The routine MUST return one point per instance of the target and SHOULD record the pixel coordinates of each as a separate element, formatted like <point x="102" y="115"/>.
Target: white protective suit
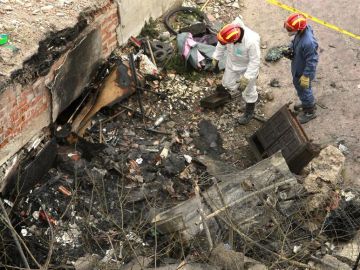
<point x="241" y="59"/>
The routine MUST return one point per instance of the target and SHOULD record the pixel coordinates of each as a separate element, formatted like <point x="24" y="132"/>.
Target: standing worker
<point x="304" y="59"/>
<point x="241" y="46"/>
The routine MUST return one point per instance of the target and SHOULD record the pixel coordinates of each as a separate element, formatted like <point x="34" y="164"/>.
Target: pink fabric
<point x="190" y="43"/>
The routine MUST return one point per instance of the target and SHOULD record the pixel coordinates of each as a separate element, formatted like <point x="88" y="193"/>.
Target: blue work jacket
<point x="306" y="56"/>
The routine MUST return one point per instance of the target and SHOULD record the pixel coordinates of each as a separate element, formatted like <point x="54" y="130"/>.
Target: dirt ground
<point x="338" y="77"/>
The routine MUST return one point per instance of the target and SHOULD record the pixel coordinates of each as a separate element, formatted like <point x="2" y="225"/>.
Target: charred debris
<point x="136" y="175"/>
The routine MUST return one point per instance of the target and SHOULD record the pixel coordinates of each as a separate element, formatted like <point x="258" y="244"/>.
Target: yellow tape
<point x="328" y="25"/>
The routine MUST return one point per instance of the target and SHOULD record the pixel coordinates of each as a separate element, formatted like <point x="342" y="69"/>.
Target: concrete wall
<point x="134" y="13"/>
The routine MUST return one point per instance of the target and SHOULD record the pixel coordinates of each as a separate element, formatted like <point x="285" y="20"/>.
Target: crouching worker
<point x="304" y="59"/>
<point x="241" y="47"/>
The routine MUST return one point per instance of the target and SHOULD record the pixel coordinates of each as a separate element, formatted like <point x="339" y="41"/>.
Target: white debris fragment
<point x="108" y="256"/>
<point x="35" y="215"/>
<point x="139" y="161"/>
<point x="164" y="153"/>
<point x="24" y="232"/>
<point x="131" y="236"/>
<point x="146" y="66"/>
<point x="66" y="239"/>
<point x="330" y="246"/>
<point x="188" y="158"/>
<point x="348" y="195"/>
<point x="296" y="249"/>
<point x="11" y="204"/>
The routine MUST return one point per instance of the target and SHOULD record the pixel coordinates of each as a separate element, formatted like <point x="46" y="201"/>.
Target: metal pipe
<point x="134" y="75"/>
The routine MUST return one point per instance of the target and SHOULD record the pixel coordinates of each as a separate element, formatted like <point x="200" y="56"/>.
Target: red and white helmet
<point x="230" y="33"/>
<point x="295" y="22"/>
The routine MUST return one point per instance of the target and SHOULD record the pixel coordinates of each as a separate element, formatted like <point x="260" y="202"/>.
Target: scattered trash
<point x="188" y="158"/>
<point x="347" y="195"/>
<point x="64" y="191"/>
<point x="344" y="149"/>
<point x="139" y="161"/>
<point x="24" y="232"/>
<point x="275" y="53"/>
<point x="198" y="55"/>
<point x="164" y="36"/>
<point x="160" y="120"/>
<point x="297" y="249"/>
<point x="164" y="153"/>
<point x="275" y="83"/>
<point x="147" y="67"/>
<point x="4" y="38"/>
<point x="108" y="256"/>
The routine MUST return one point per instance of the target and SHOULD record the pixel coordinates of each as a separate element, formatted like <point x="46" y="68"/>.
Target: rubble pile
<point x="85" y="203"/>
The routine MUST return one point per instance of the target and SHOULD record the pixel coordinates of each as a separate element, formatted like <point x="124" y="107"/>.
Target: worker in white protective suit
<point x="242" y="48"/>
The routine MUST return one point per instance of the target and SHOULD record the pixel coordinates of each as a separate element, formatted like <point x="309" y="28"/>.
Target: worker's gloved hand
<point x="214" y="65"/>
<point x="243" y="83"/>
<point x="288" y="53"/>
<point x="304" y="82"/>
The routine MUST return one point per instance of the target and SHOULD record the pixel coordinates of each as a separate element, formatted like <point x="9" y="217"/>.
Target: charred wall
<point x="52" y="78"/>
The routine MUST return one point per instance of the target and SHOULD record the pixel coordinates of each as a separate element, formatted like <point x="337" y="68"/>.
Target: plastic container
<point x="4" y="38"/>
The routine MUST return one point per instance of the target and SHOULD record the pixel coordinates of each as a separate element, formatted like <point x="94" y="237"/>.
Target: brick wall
<point x="20" y="106"/>
<point x="107" y="19"/>
<point x="26" y="109"/>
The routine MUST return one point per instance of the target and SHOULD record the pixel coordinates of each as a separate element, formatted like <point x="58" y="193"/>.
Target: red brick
<point x="112" y="29"/>
<point x="8" y="131"/>
<point x="112" y="39"/>
<point x="22" y="103"/>
<point x="35" y="100"/>
<point x="105" y="36"/>
<point x="4" y="142"/>
<point x="24" y="93"/>
<point x="115" y="15"/>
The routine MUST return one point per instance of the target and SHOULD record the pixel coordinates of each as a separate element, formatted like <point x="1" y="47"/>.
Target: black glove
<point x="288" y="53"/>
<point x="214" y="66"/>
